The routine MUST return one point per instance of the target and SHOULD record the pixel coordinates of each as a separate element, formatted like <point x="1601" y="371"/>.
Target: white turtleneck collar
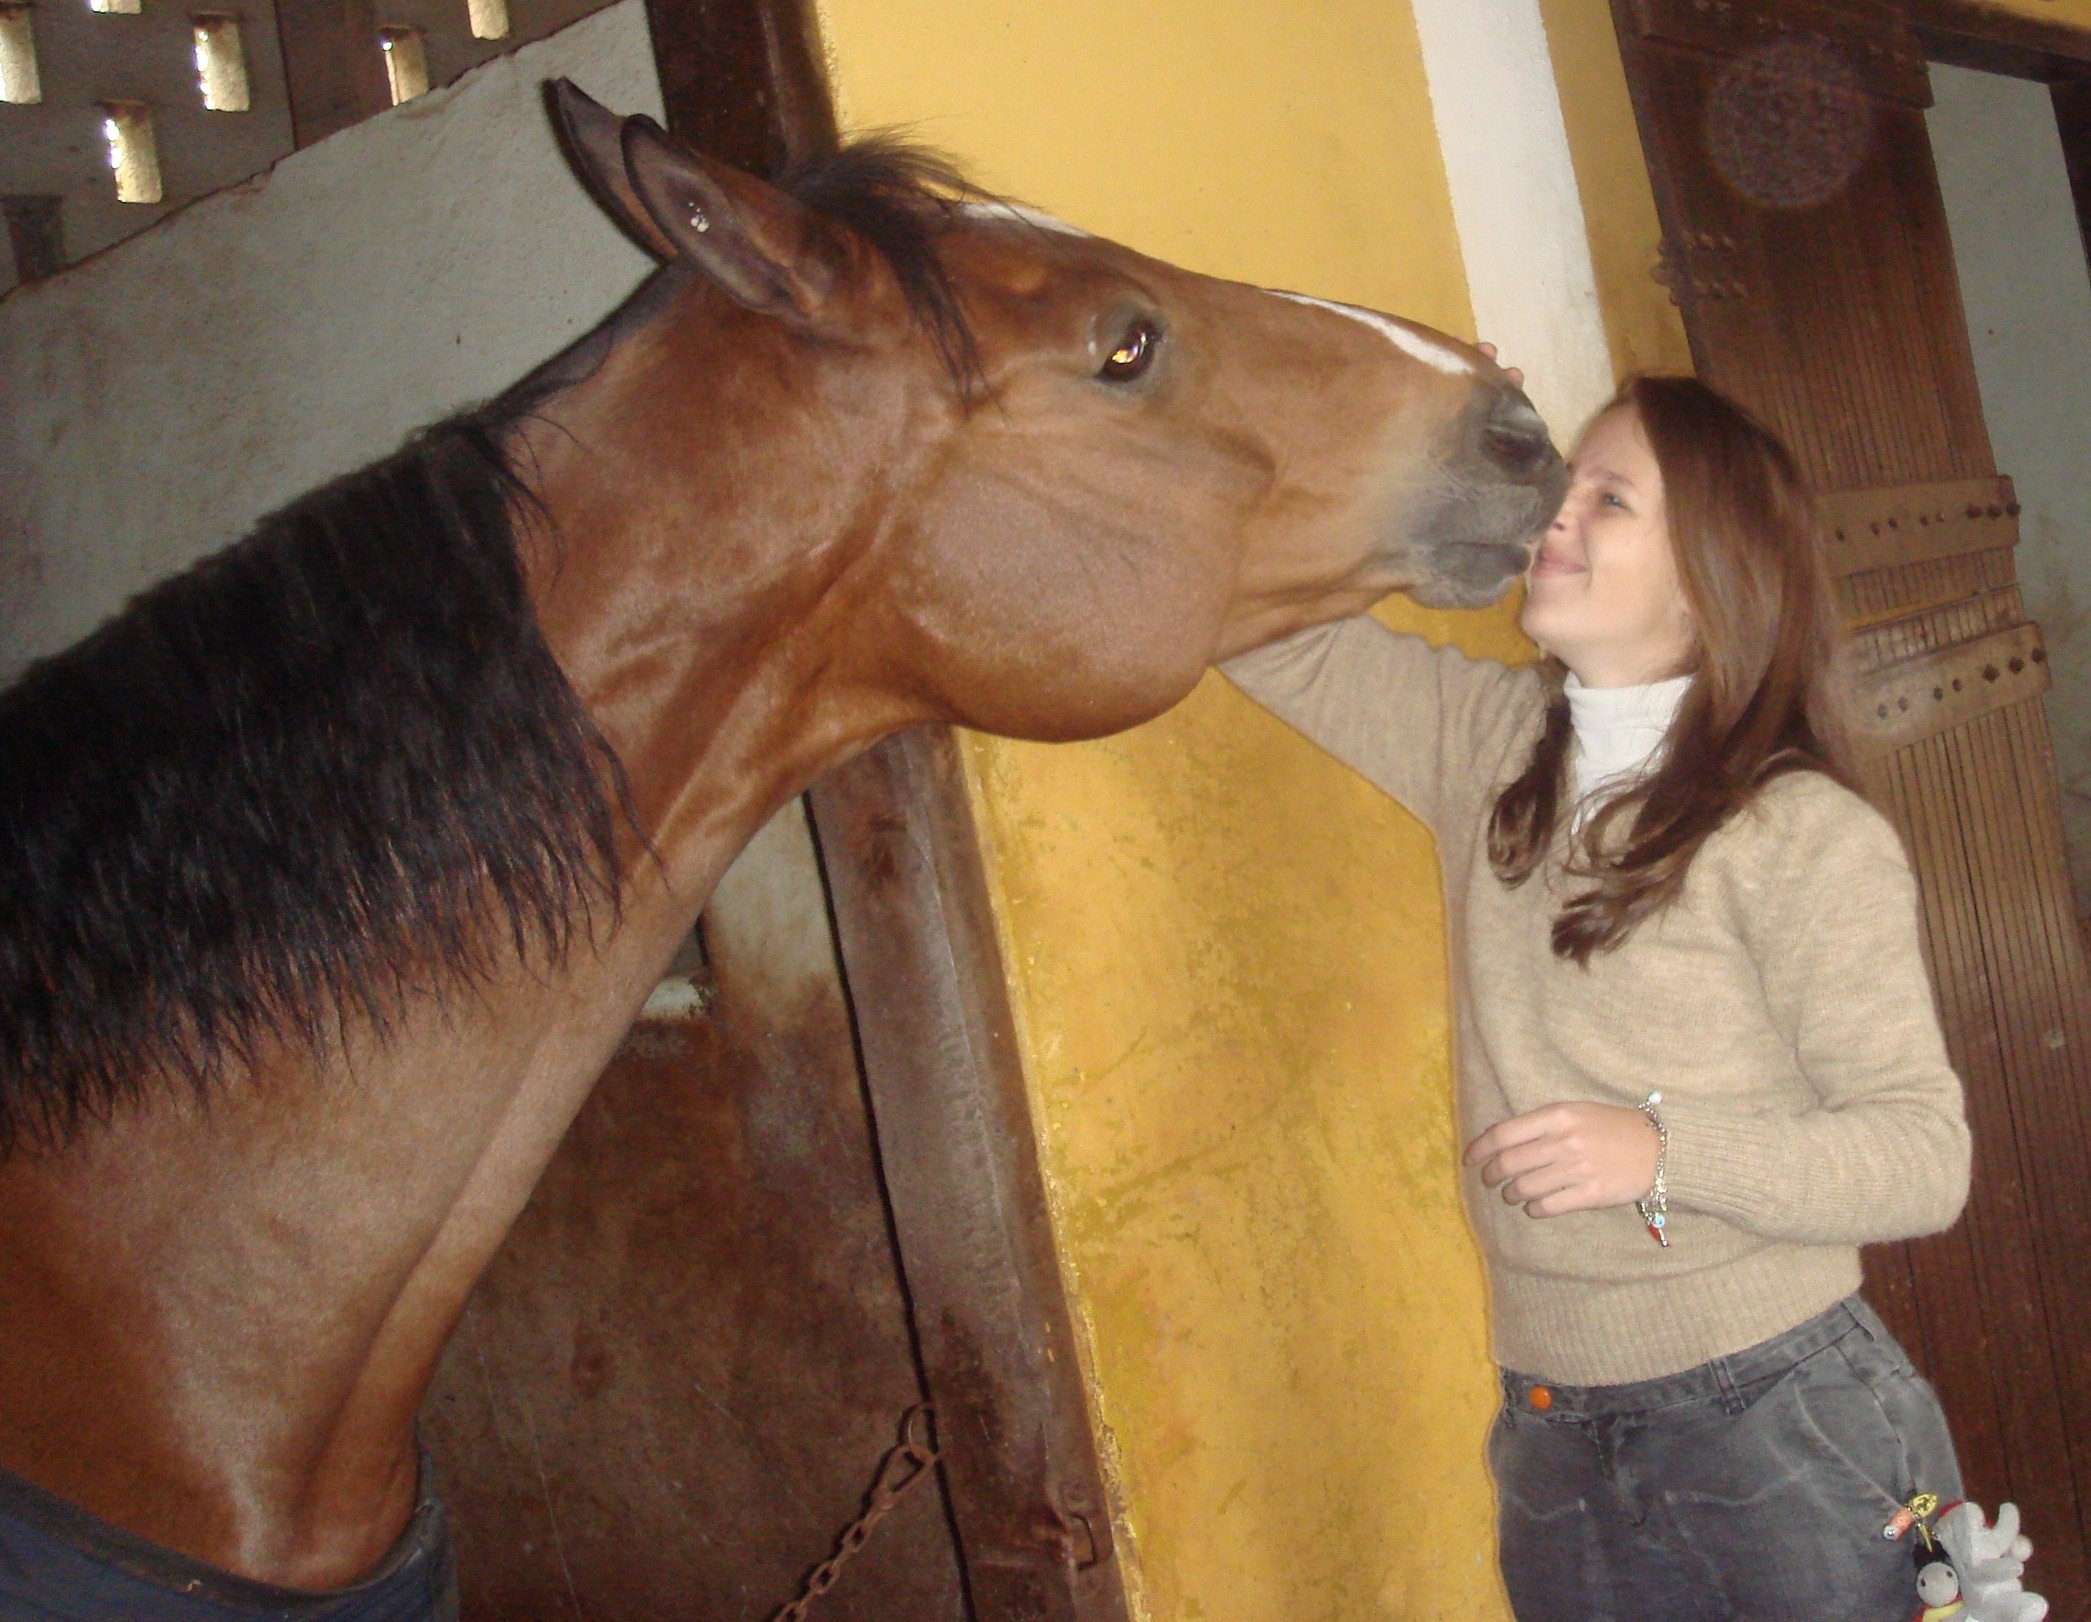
<point x="1618" y="731"/>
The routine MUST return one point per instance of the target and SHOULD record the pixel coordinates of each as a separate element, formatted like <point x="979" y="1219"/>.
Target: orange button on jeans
<point x="1540" y="1398"/>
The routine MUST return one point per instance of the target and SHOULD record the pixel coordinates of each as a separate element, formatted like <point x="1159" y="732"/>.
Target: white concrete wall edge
<point x="1515" y="201"/>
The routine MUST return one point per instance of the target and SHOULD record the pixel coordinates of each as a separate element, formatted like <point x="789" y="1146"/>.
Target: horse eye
<point x="1134" y="354"/>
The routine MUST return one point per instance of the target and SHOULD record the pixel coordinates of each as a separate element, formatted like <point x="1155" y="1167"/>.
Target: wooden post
<point x="742" y="79"/>
<point x="333" y="68"/>
<point x="2073" y="118"/>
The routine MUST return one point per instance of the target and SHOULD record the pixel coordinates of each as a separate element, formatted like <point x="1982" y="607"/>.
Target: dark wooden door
<point x="672" y="1390"/>
<point x="1805" y="241"/>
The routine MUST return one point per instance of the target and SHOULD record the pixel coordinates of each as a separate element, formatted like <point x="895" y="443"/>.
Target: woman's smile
<point x="1602" y="593"/>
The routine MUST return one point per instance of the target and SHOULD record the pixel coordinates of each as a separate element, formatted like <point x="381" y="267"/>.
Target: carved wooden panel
<point x="1920" y="697"/>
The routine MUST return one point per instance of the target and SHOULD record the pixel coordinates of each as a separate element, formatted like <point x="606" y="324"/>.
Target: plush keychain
<point x="1967" y="1570"/>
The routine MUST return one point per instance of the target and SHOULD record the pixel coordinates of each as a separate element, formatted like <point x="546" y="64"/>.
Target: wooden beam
<point x="742" y="79"/>
<point x="332" y="65"/>
<point x="1921" y="697"/>
<point x="1976" y="34"/>
<point x="937" y="1037"/>
<point x="1900" y="525"/>
<point x="2072" y="99"/>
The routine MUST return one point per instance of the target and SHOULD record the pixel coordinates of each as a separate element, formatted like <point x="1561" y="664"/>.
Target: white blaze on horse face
<point x="1024" y="214"/>
<point x="1441" y="357"/>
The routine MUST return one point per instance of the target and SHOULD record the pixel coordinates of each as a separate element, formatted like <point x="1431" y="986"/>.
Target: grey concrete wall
<point x="2027" y="293"/>
<point x="163" y="396"/>
<point x="55" y="148"/>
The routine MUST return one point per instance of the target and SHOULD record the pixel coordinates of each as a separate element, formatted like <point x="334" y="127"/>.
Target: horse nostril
<point x="1515" y="438"/>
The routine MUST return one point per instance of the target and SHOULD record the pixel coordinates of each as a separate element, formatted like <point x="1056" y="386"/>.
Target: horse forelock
<point x="902" y="200"/>
<point x="319" y="774"/>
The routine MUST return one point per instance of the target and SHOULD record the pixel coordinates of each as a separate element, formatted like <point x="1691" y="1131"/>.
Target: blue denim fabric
<point x="60" y="1564"/>
<point x="1750" y="1489"/>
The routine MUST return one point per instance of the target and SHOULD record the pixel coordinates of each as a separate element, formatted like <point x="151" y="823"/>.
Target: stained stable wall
<point x="161" y="398"/>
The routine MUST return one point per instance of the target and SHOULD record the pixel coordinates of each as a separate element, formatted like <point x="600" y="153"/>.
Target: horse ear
<point x="745" y="235"/>
<point x="594" y="140"/>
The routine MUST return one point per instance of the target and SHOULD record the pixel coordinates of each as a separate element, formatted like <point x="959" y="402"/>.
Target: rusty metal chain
<point x="907" y="1463"/>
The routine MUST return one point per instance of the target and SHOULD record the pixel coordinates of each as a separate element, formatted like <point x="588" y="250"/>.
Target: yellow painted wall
<point x="1227" y="952"/>
<point x="2072" y="13"/>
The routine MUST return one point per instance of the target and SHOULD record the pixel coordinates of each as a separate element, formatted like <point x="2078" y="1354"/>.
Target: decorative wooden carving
<point x="1914" y="523"/>
<point x="1919" y="698"/>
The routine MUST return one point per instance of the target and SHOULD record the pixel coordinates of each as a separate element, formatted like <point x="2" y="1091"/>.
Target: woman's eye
<point x="1134" y="354"/>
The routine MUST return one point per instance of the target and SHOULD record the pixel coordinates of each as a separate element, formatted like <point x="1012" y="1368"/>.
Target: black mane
<point x="323" y="770"/>
<point x="334" y="766"/>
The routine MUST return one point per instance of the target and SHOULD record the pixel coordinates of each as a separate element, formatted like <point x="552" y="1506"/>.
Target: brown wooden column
<point x="938" y="1044"/>
<point x="2073" y="119"/>
<point x="742" y="79"/>
<point x="332" y="66"/>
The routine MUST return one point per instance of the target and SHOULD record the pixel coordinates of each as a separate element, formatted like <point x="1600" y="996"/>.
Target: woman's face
<point x="1602" y="594"/>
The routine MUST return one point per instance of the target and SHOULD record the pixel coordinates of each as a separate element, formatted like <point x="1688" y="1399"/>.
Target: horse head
<point x="1076" y="476"/>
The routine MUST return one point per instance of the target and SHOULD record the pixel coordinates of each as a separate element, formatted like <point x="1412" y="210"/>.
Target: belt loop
<point x="1724" y="1382"/>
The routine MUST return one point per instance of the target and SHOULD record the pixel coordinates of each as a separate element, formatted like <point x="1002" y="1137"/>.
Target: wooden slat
<point x="1869" y="40"/>
<point x="333" y="69"/>
<point x="1907" y="524"/>
<point x="1922" y="696"/>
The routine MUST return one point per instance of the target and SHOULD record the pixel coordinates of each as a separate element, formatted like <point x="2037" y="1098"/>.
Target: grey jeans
<point x="58" y="1563"/>
<point x="1750" y="1489"/>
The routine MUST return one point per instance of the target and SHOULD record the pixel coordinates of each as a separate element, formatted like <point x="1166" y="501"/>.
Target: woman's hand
<point x="1569" y="1157"/>
<point x="1517" y="377"/>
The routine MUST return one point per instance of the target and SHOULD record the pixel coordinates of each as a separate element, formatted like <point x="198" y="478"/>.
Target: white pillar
<point x="1515" y="202"/>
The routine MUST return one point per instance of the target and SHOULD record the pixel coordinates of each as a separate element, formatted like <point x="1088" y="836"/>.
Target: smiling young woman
<point x="1696" y="1040"/>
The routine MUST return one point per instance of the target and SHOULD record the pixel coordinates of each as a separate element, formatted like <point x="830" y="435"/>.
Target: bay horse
<point x="337" y="866"/>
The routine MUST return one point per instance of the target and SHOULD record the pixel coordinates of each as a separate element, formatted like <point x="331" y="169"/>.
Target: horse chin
<point x="1470" y="574"/>
<point x="1064" y="716"/>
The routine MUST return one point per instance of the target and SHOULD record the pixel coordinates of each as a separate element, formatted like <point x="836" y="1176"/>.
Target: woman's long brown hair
<point x="1744" y="534"/>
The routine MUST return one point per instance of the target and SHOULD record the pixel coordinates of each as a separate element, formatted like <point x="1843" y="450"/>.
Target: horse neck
<point x="709" y="585"/>
<point x="264" y="1322"/>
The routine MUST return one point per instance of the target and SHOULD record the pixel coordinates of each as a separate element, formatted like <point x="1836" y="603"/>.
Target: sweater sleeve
<point x="1828" y="908"/>
<point x="1420" y="722"/>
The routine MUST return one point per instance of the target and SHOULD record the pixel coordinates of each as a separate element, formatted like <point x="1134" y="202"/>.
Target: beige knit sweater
<point x="1780" y="1006"/>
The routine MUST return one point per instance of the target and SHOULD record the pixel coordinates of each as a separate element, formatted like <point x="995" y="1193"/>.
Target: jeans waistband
<point x="1722" y="1380"/>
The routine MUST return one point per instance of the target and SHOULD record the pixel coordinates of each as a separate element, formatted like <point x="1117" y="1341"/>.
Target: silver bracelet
<point x="1654" y="1206"/>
